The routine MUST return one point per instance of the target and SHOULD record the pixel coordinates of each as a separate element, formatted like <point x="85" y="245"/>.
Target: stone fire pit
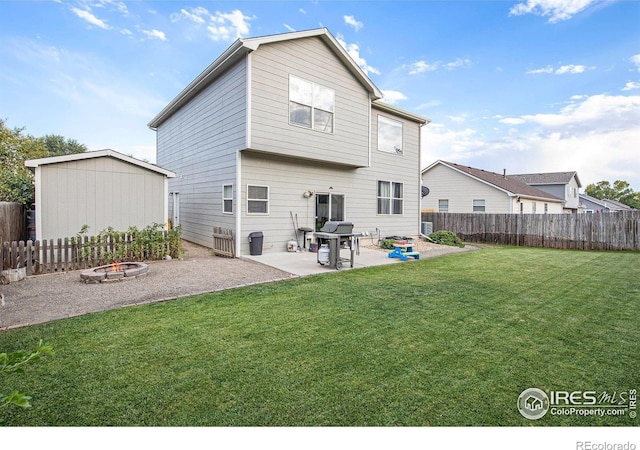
<point x="114" y="272"/>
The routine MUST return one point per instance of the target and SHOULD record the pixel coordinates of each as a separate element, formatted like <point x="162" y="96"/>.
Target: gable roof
<point x="243" y="46"/>
<point x="547" y="178"/>
<point x="606" y="203"/>
<point x="33" y="163"/>
<point x="506" y="184"/>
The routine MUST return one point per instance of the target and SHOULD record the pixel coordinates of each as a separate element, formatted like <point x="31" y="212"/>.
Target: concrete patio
<point x="305" y="262"/>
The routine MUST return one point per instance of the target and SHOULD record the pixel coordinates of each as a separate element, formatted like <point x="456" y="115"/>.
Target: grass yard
<point x="449" y="341"/>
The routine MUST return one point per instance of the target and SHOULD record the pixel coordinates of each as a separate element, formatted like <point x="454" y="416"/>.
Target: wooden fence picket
<point x="608" y="231"/>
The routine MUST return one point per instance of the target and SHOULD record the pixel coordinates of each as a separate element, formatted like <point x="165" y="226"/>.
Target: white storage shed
<point x="100" y="189"/>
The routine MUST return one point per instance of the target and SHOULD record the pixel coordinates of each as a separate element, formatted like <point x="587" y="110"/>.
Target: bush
<point x="150" y="243"/>
<point x="387" y="244"/>
<point x="443" y="237"/>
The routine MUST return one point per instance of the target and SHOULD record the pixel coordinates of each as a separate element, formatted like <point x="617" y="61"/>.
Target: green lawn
<point x="447" y="341"/>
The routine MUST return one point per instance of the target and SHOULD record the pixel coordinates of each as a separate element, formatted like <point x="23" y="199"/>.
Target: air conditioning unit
<point x="426" y="228"/>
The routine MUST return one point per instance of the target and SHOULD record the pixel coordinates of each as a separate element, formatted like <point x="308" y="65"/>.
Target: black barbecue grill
<point x="337" y="234"/>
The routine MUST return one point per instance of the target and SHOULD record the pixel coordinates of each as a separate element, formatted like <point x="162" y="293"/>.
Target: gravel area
<point x="43" y="298"/>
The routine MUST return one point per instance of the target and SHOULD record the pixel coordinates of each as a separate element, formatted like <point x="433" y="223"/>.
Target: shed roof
<point x="243" y="46"/>
<point x="108" y="153"/>
<point x="547" y="178"/>
<point x="509" y="185"/>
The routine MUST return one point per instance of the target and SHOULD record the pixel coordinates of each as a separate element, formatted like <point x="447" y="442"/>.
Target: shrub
<point x="446" y="238"/>
<point x="387" y="244"/>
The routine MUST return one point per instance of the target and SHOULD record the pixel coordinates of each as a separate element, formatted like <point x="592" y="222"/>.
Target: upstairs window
<point x="389" y="135"/>
<point x="443" y="205"/>
<point x="311" y="105"/>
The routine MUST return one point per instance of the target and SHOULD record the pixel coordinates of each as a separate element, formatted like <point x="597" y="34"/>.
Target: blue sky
<point x="522" y="85"/>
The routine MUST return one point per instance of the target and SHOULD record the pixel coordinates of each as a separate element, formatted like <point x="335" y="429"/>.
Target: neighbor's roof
<point x="547" y="178"/>
<point x="509" y="185"/>
<point x="243" y="46"/>
<point x="606" y="203"/>
<point x="33" y="163"/>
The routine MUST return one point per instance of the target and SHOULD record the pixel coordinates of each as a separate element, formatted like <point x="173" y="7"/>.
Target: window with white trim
<point x="311" y="105"/>
<point x="533" y="207"/>
<point x="443" y="205"/>
<point x="389" y="135"/>
<point x="227" y="199"/>
<point x="390" y="197"/>
<point x="257" y="199"/>
<point x="478" y="205"/>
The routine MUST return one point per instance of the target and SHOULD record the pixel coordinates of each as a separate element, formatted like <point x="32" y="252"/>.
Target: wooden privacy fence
<point x="68" y="254"/>
<point x="224" y="243"/>
<point x="608" y="231"/>
<point x="12" y="222"/>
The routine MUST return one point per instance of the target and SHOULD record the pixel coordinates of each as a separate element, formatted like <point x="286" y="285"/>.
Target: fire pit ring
<point x="114" y="272"/>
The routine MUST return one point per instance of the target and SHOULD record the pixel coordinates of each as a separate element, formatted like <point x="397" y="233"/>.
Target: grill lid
<point x="337" y="227"/>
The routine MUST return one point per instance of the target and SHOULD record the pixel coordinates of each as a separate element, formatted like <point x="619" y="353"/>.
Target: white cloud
<point x="289" y="28"/>
<point x="393" y="97"/>
<point x="595" y="135"/>
<point x="556" y="10"/>
<point x="155" y="34"/>
<point x="354" y="51"/>
<point x="419" y="67"/>
<point x="631" y="85"/>
<point x="227" y="26"/>
<point x="635" y="59"/>
<point x="569" y="68"/>
<point x="196" y="15"/>
<point x="458" y="119"/>
<point x="356" y="24"/>
<point x="90" y="18"/>
<point x="221" y="26"/>
<point x="302" y="11"/>
<point x="458" y="63"/>
<point x="512" y="121"/>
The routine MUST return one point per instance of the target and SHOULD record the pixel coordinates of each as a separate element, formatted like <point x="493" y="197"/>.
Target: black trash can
<point x="255" y="243"/>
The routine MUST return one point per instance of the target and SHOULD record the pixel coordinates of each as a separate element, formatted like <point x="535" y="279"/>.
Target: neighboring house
<point x="456" y="188"/>
<point x="564" y="185"/>
<point x="286" y="131"/>
<point x="100" y="189"/>
<point x="596" y="205"/>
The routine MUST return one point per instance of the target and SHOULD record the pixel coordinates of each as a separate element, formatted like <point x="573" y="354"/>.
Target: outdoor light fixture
<point x="307" y="194"/>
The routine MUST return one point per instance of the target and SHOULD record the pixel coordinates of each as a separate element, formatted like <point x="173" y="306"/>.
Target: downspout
<point x="239" y="204"/>
<point x="38" y="199"/>
<point x="370" y="129"/>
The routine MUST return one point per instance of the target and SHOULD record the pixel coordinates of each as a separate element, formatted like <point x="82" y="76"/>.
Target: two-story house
<point x="286" y="126"/>
<point x="564" y="185"/>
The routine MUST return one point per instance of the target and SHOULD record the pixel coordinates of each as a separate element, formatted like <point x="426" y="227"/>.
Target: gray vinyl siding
<point x="98" y="192"/>
<point x="199" y="143"/>
<point x="461" y="190"/>
<point x="271" y="66"/>
<point x="289" y="178"/>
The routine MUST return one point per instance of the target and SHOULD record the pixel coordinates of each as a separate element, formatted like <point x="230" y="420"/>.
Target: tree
<point x="16" y="180"/>
<point x="620" y="191"/>
<point x="57" y="145"/>
<point x="12" y="363"/>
